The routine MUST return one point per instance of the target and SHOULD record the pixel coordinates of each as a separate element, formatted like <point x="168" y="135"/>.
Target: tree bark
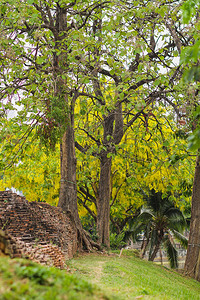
<point x="103" y="205"/>
<point x="113" y="127"/>
<point x="68" y="188"/>
<point x="192" y="262"/>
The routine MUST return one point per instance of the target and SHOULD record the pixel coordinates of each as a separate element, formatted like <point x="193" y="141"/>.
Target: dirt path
<point x="98" y="272"/>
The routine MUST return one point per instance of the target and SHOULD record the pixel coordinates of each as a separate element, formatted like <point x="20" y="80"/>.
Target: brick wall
<point x="35" y="228"/>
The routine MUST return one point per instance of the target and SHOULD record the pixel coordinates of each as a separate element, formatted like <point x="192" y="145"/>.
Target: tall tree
<point x="39" y="48"/>
<point x="149" y="156"/>
<point x="192" y="263"/>
<point x="190" y="58"/>
<point x="121" y="55"/>
<point x="130" y="71"/>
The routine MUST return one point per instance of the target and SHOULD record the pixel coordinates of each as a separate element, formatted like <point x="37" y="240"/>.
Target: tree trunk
<point x="192" y="263"/>
<point x="157" y="247"/>
<point x="68" y="187"/>
<point x="113" y="126"/>
<point x="161" y="257"/>
<point x="103" y="205"/>
<point x="144" y="247"/>
<point x="153" y="256"/>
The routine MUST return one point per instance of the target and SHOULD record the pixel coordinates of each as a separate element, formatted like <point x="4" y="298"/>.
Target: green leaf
<point x="110" y="61"/>
<point x="112" y="72"/>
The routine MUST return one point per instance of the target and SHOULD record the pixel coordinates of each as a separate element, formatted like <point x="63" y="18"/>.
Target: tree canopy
<point x="103" y="77"/>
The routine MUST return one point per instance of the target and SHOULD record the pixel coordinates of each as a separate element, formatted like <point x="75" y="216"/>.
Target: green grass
<point x="129" y="277"/>
<point x="25" y="280"/>
<point x="94" y="276"/>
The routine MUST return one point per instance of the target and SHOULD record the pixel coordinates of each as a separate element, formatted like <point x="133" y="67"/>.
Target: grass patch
<point x="23" y="279"/>
<point x="95" y="276"/>
<point x="129" y="277"/>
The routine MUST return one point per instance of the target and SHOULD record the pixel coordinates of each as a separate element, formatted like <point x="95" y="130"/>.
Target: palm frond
<point x="134" y="231"/>
<point x="145" y="215"/>
<point x="159" y="216"/>
<point x="173" y="211"/>
<point x="154" y="200"/>
<point x="143" y="218"/>
<point x="166" y="205"/>
<point x="176" y="219"/>
<point x="172" y="253"/>
<point x="188" y="220"/>
<point x="181" y="238"/>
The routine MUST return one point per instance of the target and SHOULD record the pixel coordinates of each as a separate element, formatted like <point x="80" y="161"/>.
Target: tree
<point x="149" y="156"/>
<point x="41" y="42"/>
<point x="161" y="223"/>
<point x="190" y="59"/>
<point x="106" y="52"/>
<point x="192" y="262"/>
<point x="130" y="79"/>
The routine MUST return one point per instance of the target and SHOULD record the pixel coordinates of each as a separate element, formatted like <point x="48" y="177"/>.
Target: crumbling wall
<point x="46" y="254"/>
<point x="35" y="230"/>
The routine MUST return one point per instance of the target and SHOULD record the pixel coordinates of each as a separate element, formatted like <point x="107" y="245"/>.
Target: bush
<point x="117" y="241"/>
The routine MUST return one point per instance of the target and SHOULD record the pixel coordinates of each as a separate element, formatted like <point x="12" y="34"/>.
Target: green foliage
<point x="28" y="280"/>
<point x="194" y="140"/>
<point x="189" y="9"/>
<point x="117" y="241"/>
<point x="172" y="254"/>
<point x="161" y="223"/>
<point x="89" y="225"/>
<point x="194" y="137"/>
<point x="35" y="273"/>
<point x="34" y="171"/>
<point x="99" y="66"/>
<point x="190" y="58"/>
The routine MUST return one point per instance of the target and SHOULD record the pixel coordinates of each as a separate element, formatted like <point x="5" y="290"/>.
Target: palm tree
<point x="160" y="223"/>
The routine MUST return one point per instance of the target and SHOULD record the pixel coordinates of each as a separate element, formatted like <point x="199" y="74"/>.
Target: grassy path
<point x="24" y="280"/>
<point x="106" y="277"/>
<point x="131" y="278"/>
<point x="98" y="272"/>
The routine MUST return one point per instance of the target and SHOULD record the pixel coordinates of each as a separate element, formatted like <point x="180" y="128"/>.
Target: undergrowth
<point x="23" y="279"/>
<point x="95" y="276"/>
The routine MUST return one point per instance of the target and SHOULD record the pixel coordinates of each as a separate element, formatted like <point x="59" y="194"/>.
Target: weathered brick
<point x="28" y="227"/>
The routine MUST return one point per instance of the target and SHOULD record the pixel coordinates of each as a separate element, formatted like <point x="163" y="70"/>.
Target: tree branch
<point x="88" y="209"/>
<point x="174" y="35"/>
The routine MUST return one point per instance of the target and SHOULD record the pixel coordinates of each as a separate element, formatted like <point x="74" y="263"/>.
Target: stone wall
<point x="35" y="230"/>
